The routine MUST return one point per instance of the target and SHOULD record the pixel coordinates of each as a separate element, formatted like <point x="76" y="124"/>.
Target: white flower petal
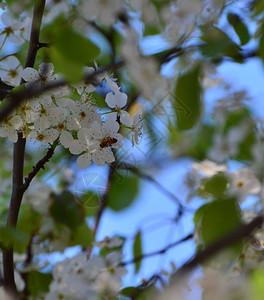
<point x="66" y="139"/>
<point x="76" y="147"/>
<point x="110" y="100"/>
<point x="111" y="127"/>
<point x="51" y="135"/>
<point x="16" y="122"/>
<point x="98" y="158"/>
<point x="15" y="39"/>
<point x="46" y="70"/>
<point x="121" y="99"/>
<point x="7" y="19"/>
<point x="125" y="118"/>
<point x="84" y="161"/>
<point x="30" y="74"/>
<point x="112" y="84"/>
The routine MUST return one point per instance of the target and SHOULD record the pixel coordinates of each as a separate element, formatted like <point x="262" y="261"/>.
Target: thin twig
<point x="154" y="253"/>
<point x="40" y="165"/>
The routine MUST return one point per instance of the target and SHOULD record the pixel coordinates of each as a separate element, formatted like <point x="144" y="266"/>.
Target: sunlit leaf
<point x="256" y="284"/>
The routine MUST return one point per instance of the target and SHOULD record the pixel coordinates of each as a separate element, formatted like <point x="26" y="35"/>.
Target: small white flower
<point x="11" y="29"/>
<point x="26" y="28"/>
<point x="106" y="12"/>
<point x="243" y="183"/>
<point x="10" y="126"/>
<point x="83" y="115"/>
<point x="82" y="144"/>
<point x="208" y="168"/>
<point x="85" y="86"/>
<point x="137" y="127"/>
<point x="40" y="77"/>
<point x="115" y="241"/>
<point x="95" y="144"/>
<point x="48" y="135"/>
<point x="112" y="84"/>
<point x="47" y="114"/>
<point x="105" y="137"/>
<point x="10" y="70"/>
<point x="117" y="102"/>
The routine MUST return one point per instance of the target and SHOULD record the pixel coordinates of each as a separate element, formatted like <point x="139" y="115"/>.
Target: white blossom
<point x="42" y="76"/>
<point x="105" y="12"/>
<point x="117" y="102"/>
<point x="11" y="29"/>
<point x="10" y="70"/>
<point x="115" y="241"/>
<point x="10" y="126"/>
<point x="137" y="127"/>
<point x="208" y="168"/>
<point x="77" y="277"/>
<point x="243" y="183"/>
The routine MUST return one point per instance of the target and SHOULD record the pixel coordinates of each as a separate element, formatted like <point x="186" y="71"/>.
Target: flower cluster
<point x="76" y="124"/>
<point x="77" y="277"/>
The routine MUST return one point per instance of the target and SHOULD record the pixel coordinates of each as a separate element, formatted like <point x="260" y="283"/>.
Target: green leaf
<point x="256" y="285"/>
<point x="151" y="30"/>
<point x="130" y="291"/>
<point x="239" y="27"/>
<point x="235" y="117"/>
<point x="82" y="236"/>
<point x="122" y="191"/>
<point x="71" y="70"/>
<point x="66" y="210"/>
<point x="245" y="147"/>
<point x="10" y="235"/>
<point x="38" y="282"/>
<point x="214" y="187"/>
<point x="216" y="219"/>
<point x="258" y="7"/>
<point x="18" y="7"/>
<point x="137" y="250"/>
<point x="216" y="44"/>
<point x="75" y="47"/>
<point x="90" y="201"/>
<point x="69" y="51"/>
<point x="188" y="104"/>
<point x="261" y="44"/>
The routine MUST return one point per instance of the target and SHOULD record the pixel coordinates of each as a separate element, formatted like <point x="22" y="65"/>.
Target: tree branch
<point x="40" y="165"/>
<point x="18" y="155"/>
<point x="236" y="235"/>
